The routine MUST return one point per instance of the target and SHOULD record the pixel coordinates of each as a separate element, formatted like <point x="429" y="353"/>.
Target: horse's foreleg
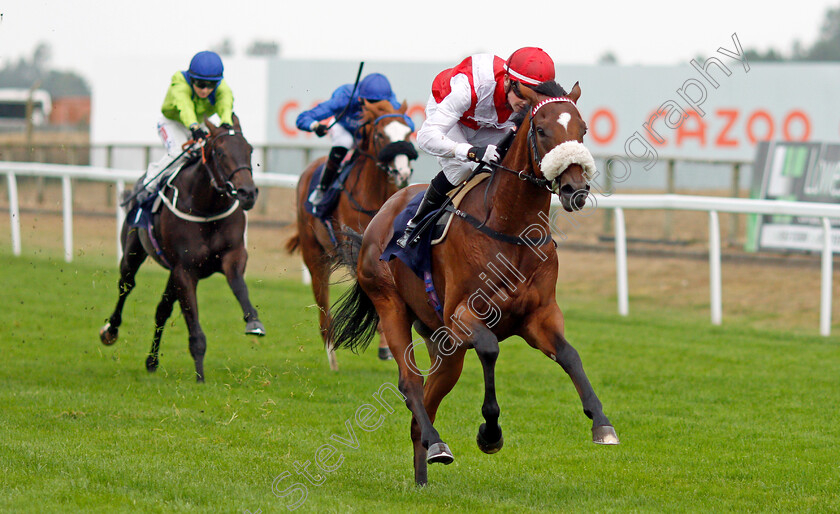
<point x="163" y="312"/>
<point x="486" y="345"/>
<point x="233" y="266"/>
<point x="133" y="257"/>
<point x="544" y="331"/>
<point x="184" y="286"/>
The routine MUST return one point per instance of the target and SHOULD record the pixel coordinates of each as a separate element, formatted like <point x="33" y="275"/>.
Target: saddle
<point x="443" y="223"/>
<point x="325" y="208"/>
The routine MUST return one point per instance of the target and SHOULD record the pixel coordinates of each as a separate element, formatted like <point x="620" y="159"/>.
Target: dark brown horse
<point x="199" y="231"/>
<point x="493" y="283"/>
<point x="380" y="168"/>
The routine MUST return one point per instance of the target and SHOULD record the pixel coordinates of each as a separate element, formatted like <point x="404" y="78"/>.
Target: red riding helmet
<point x="530" y="65"/>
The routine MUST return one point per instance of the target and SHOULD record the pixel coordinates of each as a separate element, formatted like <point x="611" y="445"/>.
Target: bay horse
<point x="199" y="230"/>
<point x="380" y="167"/>
<point x="492" y="283"/>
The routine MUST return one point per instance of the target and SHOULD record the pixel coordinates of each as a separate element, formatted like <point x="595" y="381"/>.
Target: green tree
<point x="827" y="46"/>
<point x="26" y="72"/>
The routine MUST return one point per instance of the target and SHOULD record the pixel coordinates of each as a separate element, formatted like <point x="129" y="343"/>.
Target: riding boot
<point x="432" y="200"/>
<point x="337" y="154"/>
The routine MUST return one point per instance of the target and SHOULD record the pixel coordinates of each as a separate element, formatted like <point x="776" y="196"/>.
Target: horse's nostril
<point x="567" y="190"/>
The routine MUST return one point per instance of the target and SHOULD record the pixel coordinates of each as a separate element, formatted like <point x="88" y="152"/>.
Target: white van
<point x="13" y="106"/>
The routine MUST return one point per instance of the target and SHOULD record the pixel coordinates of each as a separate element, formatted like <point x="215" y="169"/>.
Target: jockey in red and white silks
<point x="468" y="107"/>
<point x="468" y="114"/>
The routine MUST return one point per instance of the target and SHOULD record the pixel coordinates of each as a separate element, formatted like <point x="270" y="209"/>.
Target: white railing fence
<point x="618" y="203"/>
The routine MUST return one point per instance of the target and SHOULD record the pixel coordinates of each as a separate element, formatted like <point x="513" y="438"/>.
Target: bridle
<point x="529" y="175"/>
<point x="388" y="152"/>
<point x="227" y="186"/>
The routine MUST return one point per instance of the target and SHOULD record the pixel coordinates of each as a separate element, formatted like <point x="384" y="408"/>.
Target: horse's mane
<point x="549" y="88"/>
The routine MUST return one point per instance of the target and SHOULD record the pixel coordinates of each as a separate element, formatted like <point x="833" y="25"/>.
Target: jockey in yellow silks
<point x="193" y="95"/>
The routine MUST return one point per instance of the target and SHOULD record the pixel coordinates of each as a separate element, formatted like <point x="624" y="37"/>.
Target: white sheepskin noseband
<point x="564" y="155"/>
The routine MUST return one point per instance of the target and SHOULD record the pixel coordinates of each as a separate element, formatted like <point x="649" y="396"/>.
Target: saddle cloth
<point x="323" y="211"/>
<point x="419" y="257"/>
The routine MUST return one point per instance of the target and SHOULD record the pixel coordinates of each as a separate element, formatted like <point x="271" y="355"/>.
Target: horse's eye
<point x="540" y="131"/>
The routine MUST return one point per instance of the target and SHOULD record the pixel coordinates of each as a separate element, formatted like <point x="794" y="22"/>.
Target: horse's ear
<point x="210" y="125"/>
<point x="236" y="122"/>
<point x="403" y="107"/>
<point x="367" y="111"/>
<point x="574" y="94"/>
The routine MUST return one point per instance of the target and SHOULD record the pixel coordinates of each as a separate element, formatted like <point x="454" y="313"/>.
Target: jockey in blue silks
<point x="348" y="112"/>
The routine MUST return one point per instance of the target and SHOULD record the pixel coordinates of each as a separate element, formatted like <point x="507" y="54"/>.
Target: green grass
<point x="710" y="418"/>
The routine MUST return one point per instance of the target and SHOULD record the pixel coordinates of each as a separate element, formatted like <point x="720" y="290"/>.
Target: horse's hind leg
<point x="544" y="331"/>
<point x="163" y="312"/>
<point x="233" y="266"/>
<point x="133" y="257"/>
<point x="319" y="269"/>
<point x="447" y="362"/>
<point x="428" y="446"/>
<point x="185" y="288"/>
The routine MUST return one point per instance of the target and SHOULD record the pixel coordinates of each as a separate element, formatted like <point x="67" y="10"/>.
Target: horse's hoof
<point x="255" y="328"/>
<point x="485" y="445"/>
<point x="439" y="452"/>
<point x="151" y="364"/>
<point x="108" y="335"/>
<point x="604" y="435"/>
<point x="385" y="354"/>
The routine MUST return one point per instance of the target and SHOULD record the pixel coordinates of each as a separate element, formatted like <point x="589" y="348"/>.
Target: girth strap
<point x="499" y="236"/>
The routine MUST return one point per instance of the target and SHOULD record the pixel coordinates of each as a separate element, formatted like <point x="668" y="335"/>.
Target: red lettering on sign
<point x="730" y="115"/>
<point x="806" y="126"/>
<point x="285" y="128"/>
<point x="602" y="138"/>
<point x="768" y="121"/>
<point x="685" y="131"/>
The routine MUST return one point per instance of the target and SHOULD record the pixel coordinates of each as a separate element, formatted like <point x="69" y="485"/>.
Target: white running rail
<point x="618" y="203"/>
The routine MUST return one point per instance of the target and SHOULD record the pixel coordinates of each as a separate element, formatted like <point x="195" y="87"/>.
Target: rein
<point x="229" y="189"/>
<point x="525" y="175"/>
<point x="540" y="182"/>
<point x="397" y="147"/>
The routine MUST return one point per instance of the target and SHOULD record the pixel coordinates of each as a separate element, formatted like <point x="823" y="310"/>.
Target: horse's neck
<point x="367" y="183"/>
<point x="195" y="190"/>
<point x="517" y="203"/>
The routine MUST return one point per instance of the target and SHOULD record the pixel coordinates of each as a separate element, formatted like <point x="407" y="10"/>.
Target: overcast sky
<point x="652" y="32"/>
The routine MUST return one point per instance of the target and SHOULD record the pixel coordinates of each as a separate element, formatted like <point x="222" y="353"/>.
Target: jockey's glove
<point x="197" y="132"/>
<point x="486" y="154"/>
<point x="319" y="128"/>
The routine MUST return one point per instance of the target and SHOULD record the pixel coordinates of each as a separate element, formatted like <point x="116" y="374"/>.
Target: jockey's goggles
<point x="205" y="84"/>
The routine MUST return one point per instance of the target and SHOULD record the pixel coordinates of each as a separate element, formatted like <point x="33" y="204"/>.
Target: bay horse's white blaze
<point x="398" y="131"/>
<point x="564" y="155"/>
<point x="564" y="119"/>
<point x="403" y="169"/>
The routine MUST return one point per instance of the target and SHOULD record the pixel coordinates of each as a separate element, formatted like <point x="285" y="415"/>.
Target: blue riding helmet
<point x="206" y="65"/>
<point x="375" y="87"/>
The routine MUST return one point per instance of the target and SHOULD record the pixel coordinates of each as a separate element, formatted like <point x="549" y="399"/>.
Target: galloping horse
<point x="200" y="231"/>
<point x="493" y="283"/>
<point x="380" y="167"/>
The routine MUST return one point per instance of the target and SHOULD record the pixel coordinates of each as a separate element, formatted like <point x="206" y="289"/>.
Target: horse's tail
<point x="354" y="317"/>
<point x="346" y="252"/>
<point x="354" y="320"/>
<point x="293" y="243"/>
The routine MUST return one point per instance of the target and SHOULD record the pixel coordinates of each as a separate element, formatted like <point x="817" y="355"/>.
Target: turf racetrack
<point x="710" y="418"/>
